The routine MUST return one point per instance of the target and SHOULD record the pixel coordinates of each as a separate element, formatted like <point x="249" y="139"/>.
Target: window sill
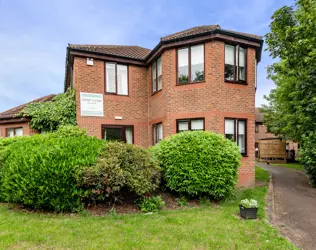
<point x="115" y="94"/>
<point x="244" y="155"/>
<point x="236" y="82"/>
<point x="156" y="92"/>
<point x="188" y="83"/>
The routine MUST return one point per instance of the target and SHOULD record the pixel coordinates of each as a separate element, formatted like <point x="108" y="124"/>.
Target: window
<point x="157" y="132"/>
<point x="257" y="128"/>
<point x="236" y="130"/>
<point x="116" y="79"/>
<point x="118" y="133"/>
<point x="235" y="63"/>
<point x="191" y="64"/>
<point x="157" y="76"/>
<point x="190" y="124"/>
<point x="11" y="132"/>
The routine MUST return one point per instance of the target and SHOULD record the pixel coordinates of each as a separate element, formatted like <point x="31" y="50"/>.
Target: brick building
<point x="203" y="78"/>
<point x="11" y="124"/>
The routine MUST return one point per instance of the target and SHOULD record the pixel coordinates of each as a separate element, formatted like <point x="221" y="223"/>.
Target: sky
<point x="34" y="35"/>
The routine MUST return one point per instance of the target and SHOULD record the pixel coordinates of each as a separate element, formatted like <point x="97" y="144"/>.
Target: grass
<point x="196" y="228"/>
<point x="295" y="165"/>
<point x="262" y="175"/>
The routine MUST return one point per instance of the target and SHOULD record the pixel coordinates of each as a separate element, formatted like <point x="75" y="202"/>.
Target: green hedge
<point x="199" y="163"/>
<point x="121" y="169"/>
<point x="42" y="170"/>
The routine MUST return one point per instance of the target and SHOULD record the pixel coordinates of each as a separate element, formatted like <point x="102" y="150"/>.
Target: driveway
<point x="292" y="205"/>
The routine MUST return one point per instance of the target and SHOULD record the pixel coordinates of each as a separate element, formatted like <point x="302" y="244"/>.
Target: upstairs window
<point x="157" y="133"/>
<point x="235" y="63"/>
<point x="116" y="79"/>
<point x="11" y="132"/>
<point x="190" y="63"/>
<point x="157" y="76"/>
<point x="190" y="124"/>
<point x="235" y="130"/>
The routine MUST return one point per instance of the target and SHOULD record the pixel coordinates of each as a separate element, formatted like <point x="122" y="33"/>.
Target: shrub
<point x="308" y="157"/>
<point x="182" y="201"/>
<point x="41" y="170"/>
<point x="121" y="168"/>
<point x="199" y="163"/>
<point x="151" y="204"/>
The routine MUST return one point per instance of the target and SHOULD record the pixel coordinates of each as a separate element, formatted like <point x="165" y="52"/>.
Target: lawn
<point x="295" y="165"/>
<point x="262" y="175"/>
<point x="217" y="227"/>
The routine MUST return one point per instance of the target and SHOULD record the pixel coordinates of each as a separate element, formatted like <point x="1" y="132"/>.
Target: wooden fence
<point x="272" y="150"/>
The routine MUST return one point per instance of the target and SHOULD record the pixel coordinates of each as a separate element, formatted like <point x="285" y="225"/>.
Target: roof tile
<point x="11" y="113"/>
<point x="199" y="30"/>
<point x="192" y="31"/>
<point x="134" y="52"/>
<point x="259" y="115"/>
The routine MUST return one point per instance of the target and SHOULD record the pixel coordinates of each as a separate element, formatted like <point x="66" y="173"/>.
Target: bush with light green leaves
<point x="199" y="163"/>
<point x="41" y="171"/>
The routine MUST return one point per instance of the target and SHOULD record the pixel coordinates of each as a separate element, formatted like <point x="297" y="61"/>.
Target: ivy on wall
<point x="48" y="116"/>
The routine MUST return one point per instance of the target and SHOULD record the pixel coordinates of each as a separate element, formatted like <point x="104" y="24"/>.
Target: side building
<point x="11" y="124"/>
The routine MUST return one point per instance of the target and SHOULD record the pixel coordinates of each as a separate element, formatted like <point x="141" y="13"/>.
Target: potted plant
<point x="248" y="209"/>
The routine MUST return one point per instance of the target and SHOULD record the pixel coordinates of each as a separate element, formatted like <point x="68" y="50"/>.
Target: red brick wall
<point x="25" y="125"/>
<point x="262" y="133"/>
<point x="132" y="108"/>
<point x="213" y="99"/>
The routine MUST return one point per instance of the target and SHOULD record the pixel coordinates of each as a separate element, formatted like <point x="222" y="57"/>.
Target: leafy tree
<point x="48" y="116"/>
<point x="292" y="104"/>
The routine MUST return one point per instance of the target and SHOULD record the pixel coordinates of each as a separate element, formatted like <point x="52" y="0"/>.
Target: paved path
<point x="292" y="206"/>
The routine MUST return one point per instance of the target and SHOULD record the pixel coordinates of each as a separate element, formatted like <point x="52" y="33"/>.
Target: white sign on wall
<point x="91" y="104"/>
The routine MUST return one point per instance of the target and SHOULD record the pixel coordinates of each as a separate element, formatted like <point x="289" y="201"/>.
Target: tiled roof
<point x="140" y="53"/>
<point x="244" y="34"/>
<point x="259" y="116"/>
<point x="199" y="30"/>
<point x="11" y="113"/>
<point x="190" y="32"/>
<point x="134" y="52"/>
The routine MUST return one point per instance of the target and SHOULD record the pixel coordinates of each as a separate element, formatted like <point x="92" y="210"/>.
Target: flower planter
<point x="248" y="213"/>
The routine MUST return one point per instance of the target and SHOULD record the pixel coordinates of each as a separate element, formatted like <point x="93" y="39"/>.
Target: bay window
<point x="157" y="133"/>
<point x="235" y="63"/>
<point x="190" y="124"/>
<point x="236" y="130"/>
<point x="116" y="79"/>
<point x="156" y="76"/>
<point x="190" y="61"/>
<point x="118" y="133"/>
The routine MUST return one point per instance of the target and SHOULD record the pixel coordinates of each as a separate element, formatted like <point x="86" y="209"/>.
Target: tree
<point x="291" y="111"/>
<point x="292" y="104"/>
<point x="48" y="116"/>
